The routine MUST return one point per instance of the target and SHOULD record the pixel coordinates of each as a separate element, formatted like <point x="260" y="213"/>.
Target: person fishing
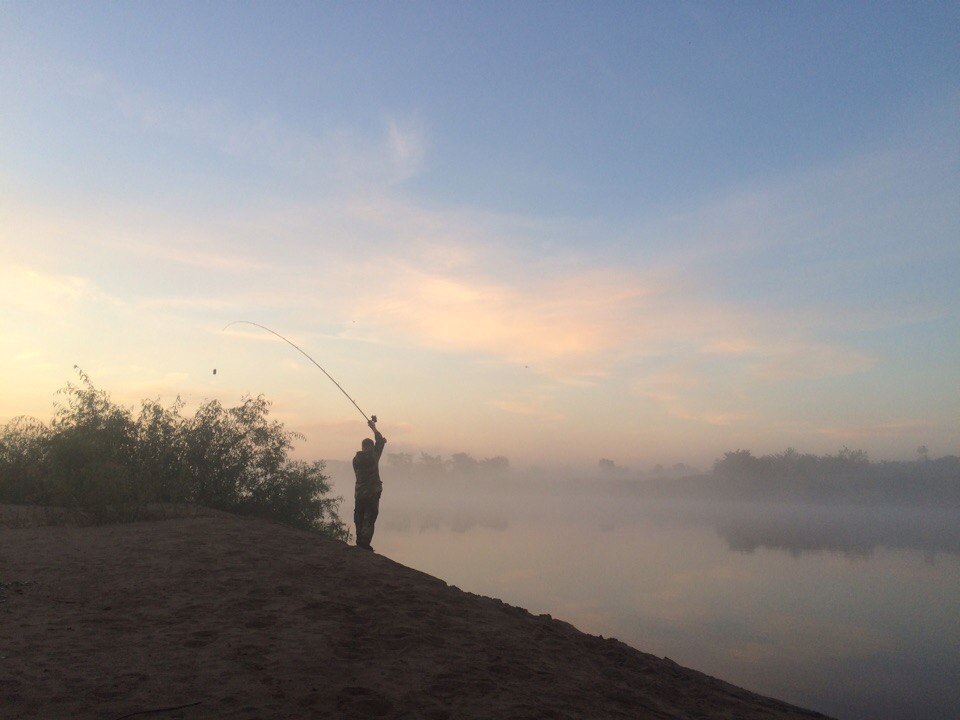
<point x="366" y="463"/>
<point x="366" y="466"/>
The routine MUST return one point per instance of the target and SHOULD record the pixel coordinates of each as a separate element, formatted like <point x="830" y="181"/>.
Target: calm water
<point x="849" y="611"/>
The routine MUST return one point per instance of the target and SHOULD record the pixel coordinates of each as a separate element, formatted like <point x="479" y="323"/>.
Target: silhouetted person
<point x="366" y="466"/>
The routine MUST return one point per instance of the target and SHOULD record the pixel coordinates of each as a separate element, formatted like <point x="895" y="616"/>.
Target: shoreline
<point x="250" y="619"/>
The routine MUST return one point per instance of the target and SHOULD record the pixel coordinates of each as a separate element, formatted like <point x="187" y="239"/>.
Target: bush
<point x="96" y="456"/>
<point x="23" y="448"/>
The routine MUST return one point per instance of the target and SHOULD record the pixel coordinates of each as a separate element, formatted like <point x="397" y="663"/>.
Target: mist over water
<point x="842" y="608"/>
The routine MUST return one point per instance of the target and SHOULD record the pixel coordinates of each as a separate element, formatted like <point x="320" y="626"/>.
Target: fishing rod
<point x="301" y="351"/>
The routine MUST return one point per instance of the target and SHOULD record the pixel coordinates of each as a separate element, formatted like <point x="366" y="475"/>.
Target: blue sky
<point x="649" y="232"/>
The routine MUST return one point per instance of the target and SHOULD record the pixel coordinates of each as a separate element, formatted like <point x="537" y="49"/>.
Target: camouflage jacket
<point x="366" y="466"/>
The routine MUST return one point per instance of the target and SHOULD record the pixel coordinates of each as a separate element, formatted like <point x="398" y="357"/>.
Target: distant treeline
<point x="427" y="466"/>
<point x="847" y="476"/>
<point x="97" y="457"/>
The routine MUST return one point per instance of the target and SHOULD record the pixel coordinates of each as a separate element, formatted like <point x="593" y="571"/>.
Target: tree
<point x="737" y="464"/>
<point x="400" y="461"/>
<point x="495" y="466"/>
<point x="463" y="464"/>
<point x="24" y="444"/>
<point x="431" y="465"/>
<point x="96" y="456"/>
<point x="401" y="464"/>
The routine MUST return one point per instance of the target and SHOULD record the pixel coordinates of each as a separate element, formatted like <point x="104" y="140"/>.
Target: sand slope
<point x="248" y="619"/>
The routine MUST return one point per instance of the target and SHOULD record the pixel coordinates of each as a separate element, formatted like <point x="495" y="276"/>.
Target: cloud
<point x="332" y="157"/>
<point x="735" y="346"/>
<point x="457" y="283"/>
<point x="265" y="139"/>
<point x="562" y="324"/>
<point x="41" y="293"/>
<point x="187" y="303"/>
<point x="699" y="313"/>
<point x="825" y="245"/>
<point x="718" y="382"/>
<point x="526" y="409"/>
<point x="809" y="361"/>
<point x="123" y="230"/>
<point x="407" y="147"/>
<point x="584" y="324"/>
<point x="188" y="254"/>
<point x="692" y="353"/>
<point x="690" y="396"/>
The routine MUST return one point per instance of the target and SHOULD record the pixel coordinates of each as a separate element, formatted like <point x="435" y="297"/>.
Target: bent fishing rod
<point x="301" y="351"/>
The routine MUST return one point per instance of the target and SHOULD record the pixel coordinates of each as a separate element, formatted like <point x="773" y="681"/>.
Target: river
<point x="850" y="611"/>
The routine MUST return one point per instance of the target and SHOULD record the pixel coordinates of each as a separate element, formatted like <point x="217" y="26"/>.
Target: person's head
<point x="367" y="445"/>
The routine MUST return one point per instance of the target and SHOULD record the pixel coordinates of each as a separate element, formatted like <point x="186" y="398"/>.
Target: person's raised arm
<point x="379" y="440"/>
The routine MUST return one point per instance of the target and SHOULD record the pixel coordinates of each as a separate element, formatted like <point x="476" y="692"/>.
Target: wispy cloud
<point x="189" y="303"/>
<point x="41" y="293"/>
<point x="763" y="288"/>
<point x="563" y="323"/>
<point x="122" y="231"/>
<point x="331" y="157"/>
<point x="407" y="147"/>
<point x="265" y="139"/>
<point x="448" y="281"/>
<point x="578" y="324"/>
<point x="526" y="409"/>
<point x="809" y="361"/>
<point x="210" y="259"/>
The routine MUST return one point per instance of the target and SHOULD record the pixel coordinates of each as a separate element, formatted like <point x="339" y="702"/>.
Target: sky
<point x="559" y="232"/>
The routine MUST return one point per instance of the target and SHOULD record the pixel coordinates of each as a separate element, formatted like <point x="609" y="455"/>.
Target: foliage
<point x="24" y="444"/>
<point x="96" y="456"/>
<point x="459" y="466"/>
<point x="847" y="475"/>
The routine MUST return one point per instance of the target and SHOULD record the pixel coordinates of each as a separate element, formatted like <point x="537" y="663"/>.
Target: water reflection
<point x="843" y="609"/>
<point x="745" y="527"/>
<point x="849" y="530"/>
<point x="459" y="522"/>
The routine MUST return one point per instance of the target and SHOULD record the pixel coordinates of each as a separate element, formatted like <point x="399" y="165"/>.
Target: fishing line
<point x="301" y="351"/>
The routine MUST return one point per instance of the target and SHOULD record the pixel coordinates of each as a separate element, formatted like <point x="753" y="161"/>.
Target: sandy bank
<point x="240" y="618"/>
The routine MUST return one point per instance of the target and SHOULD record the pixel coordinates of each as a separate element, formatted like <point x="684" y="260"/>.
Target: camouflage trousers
<point x="365" y="511"/>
